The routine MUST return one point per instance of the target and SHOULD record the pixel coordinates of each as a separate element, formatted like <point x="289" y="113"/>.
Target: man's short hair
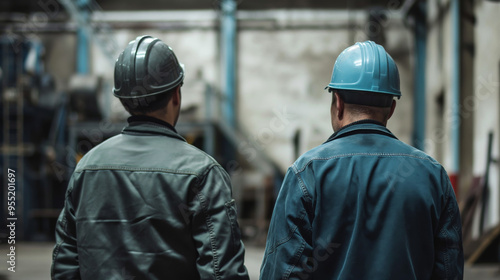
<point x="366" y="98"/>
<point x="364" y="102"/>
<point x="148" y="104"/>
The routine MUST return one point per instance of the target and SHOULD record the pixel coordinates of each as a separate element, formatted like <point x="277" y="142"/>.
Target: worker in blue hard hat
<point x="364" y="205"/>
<point x="145" y="204"/>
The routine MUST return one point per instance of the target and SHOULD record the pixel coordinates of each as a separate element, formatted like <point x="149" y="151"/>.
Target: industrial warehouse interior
<point x="253" y="98"/>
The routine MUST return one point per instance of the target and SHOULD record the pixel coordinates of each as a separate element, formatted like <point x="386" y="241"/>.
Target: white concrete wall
<point x="487" y="99"/>
<point x="479" y="110"/>
<point x="282" y="74"/>
<point x="438" y="82"/>
<point x="60" y="57"/>
<point x="285" y="73"/>
<point x="439" y="85"/>
<point x="285" y="59"/>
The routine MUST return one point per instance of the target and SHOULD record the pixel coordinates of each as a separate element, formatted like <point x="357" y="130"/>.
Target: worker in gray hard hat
<point x="145" y="204"/>
<point x="364" y="205"/>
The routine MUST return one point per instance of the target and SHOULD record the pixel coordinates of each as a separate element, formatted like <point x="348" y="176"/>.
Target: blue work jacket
<point x="365" y="205"/>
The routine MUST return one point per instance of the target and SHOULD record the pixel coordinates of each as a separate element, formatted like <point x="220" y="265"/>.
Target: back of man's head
<point x="364" y="105"/>
<point x="366" y="79"/>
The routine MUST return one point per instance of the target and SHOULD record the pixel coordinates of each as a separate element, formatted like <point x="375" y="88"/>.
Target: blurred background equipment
<point x="84" y="91"/>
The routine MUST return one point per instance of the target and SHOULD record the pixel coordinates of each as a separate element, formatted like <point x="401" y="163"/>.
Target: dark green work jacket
<point x="147" y="205"/>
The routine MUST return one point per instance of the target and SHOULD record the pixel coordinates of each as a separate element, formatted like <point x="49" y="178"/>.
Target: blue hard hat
<point x="366" y="66"/>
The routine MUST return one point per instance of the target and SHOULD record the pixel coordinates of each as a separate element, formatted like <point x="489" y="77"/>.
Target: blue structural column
<point x="419" y="105"/>
<point x="82" y="53"/>
<point x="455" y="94"/>
<point x="228" y="43"/>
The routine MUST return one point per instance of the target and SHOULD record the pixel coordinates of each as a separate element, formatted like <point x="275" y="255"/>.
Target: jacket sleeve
<point x="216" y="231"/>
<point x="288" y="252"/>
<point x="448" y="252"/>
<point x="65" y="256"/>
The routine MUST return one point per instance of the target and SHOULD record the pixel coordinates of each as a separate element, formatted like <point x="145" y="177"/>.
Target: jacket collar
<point x="147" y="119"/>
<point x="362" y="127"/>
<point x="148" y="125"/>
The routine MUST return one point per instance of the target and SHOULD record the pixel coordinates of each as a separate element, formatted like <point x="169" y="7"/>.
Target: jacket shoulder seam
<point x="139" y="169"/>
<point x="360" y="154"/>
<point x="208" y="169"/>
<point x="214" y="162"/>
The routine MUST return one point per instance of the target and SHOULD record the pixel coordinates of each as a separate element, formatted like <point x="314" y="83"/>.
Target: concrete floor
<point x="33" y="263"/>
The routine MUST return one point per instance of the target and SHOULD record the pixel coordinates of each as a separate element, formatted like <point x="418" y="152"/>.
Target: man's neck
<point x="352" y="119"/>
<point x="162" y="116"/>
<point x="349" y="121"/>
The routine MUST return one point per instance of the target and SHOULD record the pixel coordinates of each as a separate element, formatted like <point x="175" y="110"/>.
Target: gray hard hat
<point x="146" y="67"/>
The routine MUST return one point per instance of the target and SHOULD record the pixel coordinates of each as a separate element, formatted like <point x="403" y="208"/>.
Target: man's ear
<point x="339" y="104"/>
<point x="176" y="96"/>
<point x="393" y="107"/>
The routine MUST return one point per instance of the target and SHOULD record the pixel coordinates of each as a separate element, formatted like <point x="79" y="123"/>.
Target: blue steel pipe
<point x="419" y="105"/>
<point x="82" y="53"/>
<point x="455" y="97"/>
<point x="228" y="32"/>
